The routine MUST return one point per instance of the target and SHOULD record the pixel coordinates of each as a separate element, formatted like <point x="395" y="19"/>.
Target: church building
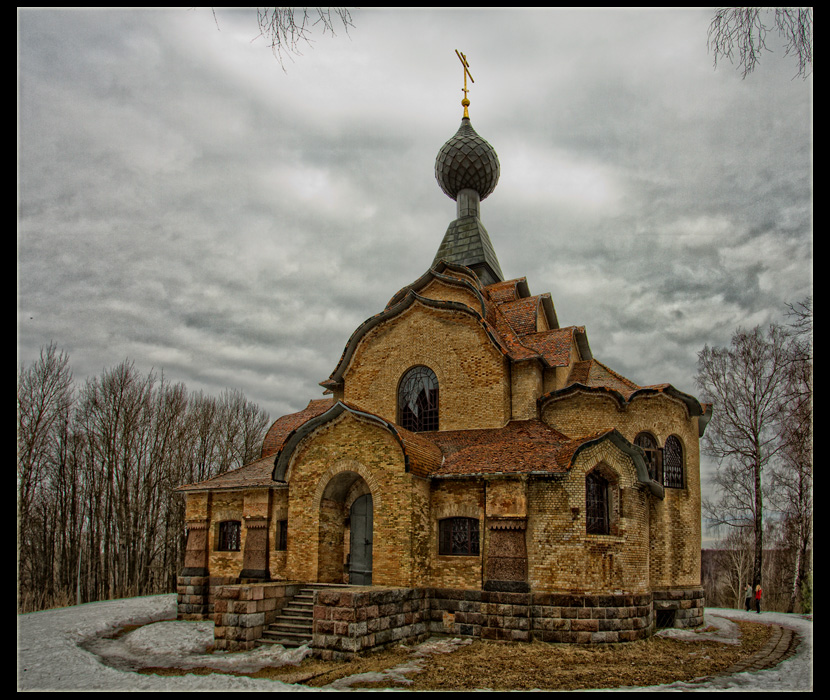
<point x="472" y="469"/>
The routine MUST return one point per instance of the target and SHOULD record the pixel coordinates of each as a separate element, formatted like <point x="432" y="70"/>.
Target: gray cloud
<point x="187" y="204"/>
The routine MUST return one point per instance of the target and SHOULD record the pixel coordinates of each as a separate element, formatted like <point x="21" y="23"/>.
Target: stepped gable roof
<point x="506" y="311"/>
<point x="556" y="346"/>
<point x="282" y="427"/>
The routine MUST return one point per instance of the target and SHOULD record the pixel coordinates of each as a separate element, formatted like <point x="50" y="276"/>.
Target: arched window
<point x="653" y="456"/>
<point x="673" y="463"/>
<point x="458" y="536"/>
<point x="229" y="536"/>
<point x="418" y="400"/>
<point x="597" y="510"/>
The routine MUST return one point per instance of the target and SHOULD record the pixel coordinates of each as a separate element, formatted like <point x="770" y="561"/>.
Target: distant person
<point x="748" y="596"/>
<point x="758" y="593"/>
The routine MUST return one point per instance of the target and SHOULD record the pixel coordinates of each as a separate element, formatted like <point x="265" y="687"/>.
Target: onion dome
<point x="467" y="161"/>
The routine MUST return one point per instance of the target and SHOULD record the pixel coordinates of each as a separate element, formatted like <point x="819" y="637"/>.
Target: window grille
<point x="458" y="537"/>
<point x="230" y="536"/>
<point x="418" y="400"/>
<point x="653" y="456"/>
<point x="596" y="505"/>
<point x="673" y="463"/>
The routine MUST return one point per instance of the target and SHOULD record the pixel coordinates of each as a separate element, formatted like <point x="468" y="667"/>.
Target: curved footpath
<point x="53" y="651"/>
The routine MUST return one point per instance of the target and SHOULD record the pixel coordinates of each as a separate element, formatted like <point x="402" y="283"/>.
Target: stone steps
<point x="294" y="626"/>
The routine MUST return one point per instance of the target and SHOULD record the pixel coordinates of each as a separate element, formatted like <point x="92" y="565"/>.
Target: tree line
<point x="96" y="469"/>
<point x="761" y="436"/>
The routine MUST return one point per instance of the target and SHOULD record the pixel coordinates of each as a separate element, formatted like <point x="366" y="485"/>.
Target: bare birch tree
<point x="747" y="383"/>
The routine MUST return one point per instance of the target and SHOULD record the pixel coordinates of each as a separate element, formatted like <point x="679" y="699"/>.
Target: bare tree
<point x="744" y="30"/>
<point x="97" y="514"/>
<point x="746" y="382"/>
<point x="793" y="477"/>
<point x="288" y="28"/>
<point x="44" y="400"/>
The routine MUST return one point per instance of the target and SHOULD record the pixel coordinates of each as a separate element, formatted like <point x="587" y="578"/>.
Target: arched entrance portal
<point x="346" y="531"/>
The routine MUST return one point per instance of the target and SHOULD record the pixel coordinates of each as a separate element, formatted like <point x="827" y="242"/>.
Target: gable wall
<point x="442" y="291"/>
<point x="399" y="504"/>
<point x="473" y="375"/>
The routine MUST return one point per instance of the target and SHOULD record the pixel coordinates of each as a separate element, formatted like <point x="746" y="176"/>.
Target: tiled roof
<point x="520" y="447"/>
<point x="554" y="346"/>
<point x="252" y="475"/>
<point x="521" y="314"/>
<point x="282" y="427"/>
<point x="593" y="373"/>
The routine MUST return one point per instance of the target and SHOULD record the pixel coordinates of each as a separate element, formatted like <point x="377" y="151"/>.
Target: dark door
<point x="360" y="544"/>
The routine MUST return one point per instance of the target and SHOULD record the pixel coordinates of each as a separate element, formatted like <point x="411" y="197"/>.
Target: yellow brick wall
<point x="225" y="505"/>
<point x="674" y="522"/>
<point x="456" y="499"/>
<point x="442" y="291"/>
<point x="349" y="444"/>
<point x="526" y="382"/>
<point x="473" y="375"/>
<point x="562" y="556"/>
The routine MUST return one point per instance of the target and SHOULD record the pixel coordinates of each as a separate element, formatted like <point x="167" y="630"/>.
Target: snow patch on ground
<point x="77" y="648"/>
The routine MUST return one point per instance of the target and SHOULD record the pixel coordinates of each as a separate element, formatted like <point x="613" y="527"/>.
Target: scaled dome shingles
<point x="467" y="161"/>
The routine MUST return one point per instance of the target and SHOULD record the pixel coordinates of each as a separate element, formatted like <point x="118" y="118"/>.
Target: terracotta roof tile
<point x="594" y="373"/>
<point x="520" y="447"/>
<point x="282" y="427"/>
<point x="521" y="314"/>
<point x="253" y="475"/>
<point x="554" y="346"/>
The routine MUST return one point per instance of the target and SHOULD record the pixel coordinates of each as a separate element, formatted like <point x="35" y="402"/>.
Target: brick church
<point x="473" y="462"/>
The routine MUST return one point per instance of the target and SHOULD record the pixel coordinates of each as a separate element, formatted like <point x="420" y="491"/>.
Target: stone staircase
<point x="294" y="625"/>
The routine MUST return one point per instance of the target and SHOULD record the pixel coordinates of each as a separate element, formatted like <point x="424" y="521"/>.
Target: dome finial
<point x="465" y="102"/>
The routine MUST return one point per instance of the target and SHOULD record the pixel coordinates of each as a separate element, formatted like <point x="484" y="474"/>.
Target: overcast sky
<point x="187" y="204"/>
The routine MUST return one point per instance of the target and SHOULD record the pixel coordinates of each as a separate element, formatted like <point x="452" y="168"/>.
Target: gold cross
<point x="465" y="102"/>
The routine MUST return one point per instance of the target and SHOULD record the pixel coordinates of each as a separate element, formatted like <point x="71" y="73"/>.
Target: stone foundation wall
<point x="242" y="612"/>
<point x="196" y="595"/>
<point x="547" y="617"/>
<point x="686" y="604"/>
<point x="347" y="622"/>
<point x="355" y="620"/>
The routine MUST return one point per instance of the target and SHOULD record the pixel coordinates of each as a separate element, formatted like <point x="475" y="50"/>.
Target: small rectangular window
<point x="230" y="536"/>
<point x="458" y="537"/>
<point x="282" y="536"/>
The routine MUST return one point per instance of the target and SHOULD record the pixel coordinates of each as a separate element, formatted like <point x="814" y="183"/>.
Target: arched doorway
<point x="346" y="531"/>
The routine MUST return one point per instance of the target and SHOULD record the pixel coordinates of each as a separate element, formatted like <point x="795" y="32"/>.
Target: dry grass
<point x="522" y="666"/>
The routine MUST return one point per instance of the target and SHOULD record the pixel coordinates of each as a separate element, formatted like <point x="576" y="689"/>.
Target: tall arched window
<point x="597" y="511"/>
<point x="653" y="456"/>
<point x="673" y="463"/>
<point x="418" y="400"/>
